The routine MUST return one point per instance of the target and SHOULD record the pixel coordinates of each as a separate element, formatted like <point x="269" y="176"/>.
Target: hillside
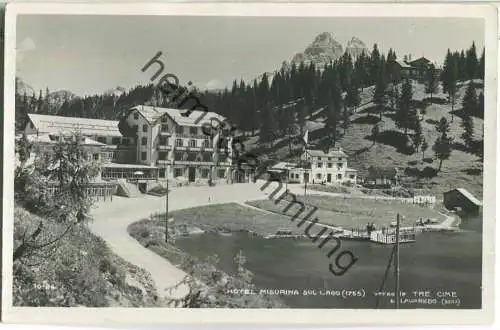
<point x="79" y="270"/>
<point x="462" y="169"/>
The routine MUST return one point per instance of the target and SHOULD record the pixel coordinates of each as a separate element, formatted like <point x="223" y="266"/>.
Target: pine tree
<point x="375" y="132"/>
<point x="472" y="62"/>
<point x="445" y="74"/>
<point x="442" y="146"/>
<point x="417" y="136"/>
<point x="431" y="80"/>
<point x="404" y="113"/>
<point x="480" y="105"/>
<point x="462" y="67"/>
<point x="424" y="147"/>
<point x="470" y="102"/>
<point x="375" y="63"/>
<point x="481" y="66"/>
<point x="468" y="133"/>
<point x="380" y="95"/>
<point x="452" y="84"/>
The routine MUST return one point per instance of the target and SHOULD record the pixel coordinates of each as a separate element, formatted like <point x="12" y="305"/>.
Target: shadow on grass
<point x="426" y="173"/>
<point x="435" y="100"/>
<point x="394" y="139"/>
<point x="368" y="119"/>
<point x="473" y="171"/>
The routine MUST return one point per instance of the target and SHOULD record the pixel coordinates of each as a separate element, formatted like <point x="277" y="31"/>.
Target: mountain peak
<point x="355" y="47"/>
<point x="322" y="50"/>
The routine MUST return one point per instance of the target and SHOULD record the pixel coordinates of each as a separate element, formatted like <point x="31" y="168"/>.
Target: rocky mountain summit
<point x="356" y="47"/>
<point x="325" y="49"/>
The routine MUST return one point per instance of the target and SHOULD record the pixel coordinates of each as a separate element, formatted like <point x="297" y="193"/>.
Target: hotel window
<point x="161" y="173"/>
<point x="96" y="156"/>
<point x="329" y="158"/>
<point x="340" y="165"/>
<point x="162" y="155"/>
<point x="192" y="143"/>
<point x="318" y="176"/>
<point x="330" y="165"/>
<point x="144" y="155"/>
<point x="164" y="127"/>
<point x="144" y="141"/>
<point x="178" y="142"/>
<point x="296" y="175"/>
<point x="164" y="119"/>
<point x="144" y="128"/>
<point x="178" y="155"/>
<point x="206" y="143"/>
<point x="136" y="128"/>
<point x="319" y="158"/>
<point x="340" y="158"/>
<point x="179" y="130"/>
<point x="351" y="176"/>
<point x="339" y="176"/>
<point x="177" y="172"/>
<point x="115" y="141"/>
<point x="207" y="157"/>
<point x="204" y="173"/>
<point x="136" y="116"/>
<point x="101" y="139"/>
<point x="221" y="174"/>
<point x="320" y="165"/>
<point x="193" y="130"/>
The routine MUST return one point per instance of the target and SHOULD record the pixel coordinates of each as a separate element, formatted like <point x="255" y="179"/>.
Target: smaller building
<point x="460" y="197"/>
<point x="382" y="177"/>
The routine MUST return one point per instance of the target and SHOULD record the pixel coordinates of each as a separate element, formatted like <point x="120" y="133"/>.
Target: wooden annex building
<point x="460" y="197"/>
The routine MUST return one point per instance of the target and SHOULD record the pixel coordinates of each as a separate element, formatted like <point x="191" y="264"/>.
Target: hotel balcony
<point x="163" y="147"/>
<point x="163" y="162"/>
<point x="165" y="133"/>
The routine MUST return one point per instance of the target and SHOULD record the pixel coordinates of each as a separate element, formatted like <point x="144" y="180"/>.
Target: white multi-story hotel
<point x="325" y="167"/>
<point x="177" y="145"/>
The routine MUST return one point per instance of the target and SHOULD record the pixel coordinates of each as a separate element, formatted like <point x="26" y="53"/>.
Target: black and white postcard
<point x="249" y="163"/>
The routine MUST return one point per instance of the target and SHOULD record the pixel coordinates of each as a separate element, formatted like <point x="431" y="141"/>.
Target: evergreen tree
<point x="417" y="136"/>
<point x="346" y="120"/>
<point x="405" y="114"/>
<point x="266" y="133"/>
<point x="472" y="63"/>
<point x="480" y="105"/>
<point x="442" y="146"/>
<point x="424" y="147"/>
<point x="375" y="132"/>
<point x="470" y="102"/>
<point x="375" y="63"/>
<point x="452" y="86"/>
<point x="468" y="133"/>
<point x="481" y="66"/>
<point x="462" y="67"/>
<point x="301" y="117"/>
<point x="445" y="74"/>
<point x="333" y="111"/>
<point x="380" y="95"/>
<point x="431" y="81"/>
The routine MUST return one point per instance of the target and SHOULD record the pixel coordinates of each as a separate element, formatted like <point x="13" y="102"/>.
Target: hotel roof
<point x="152" y="114"/>
<point x="331" y="153"/>
<point x="47" y="138"/>
<point x="87" y="126"/>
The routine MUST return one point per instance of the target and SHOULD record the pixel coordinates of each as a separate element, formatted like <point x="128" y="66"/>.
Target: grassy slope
<point x="456" y="171"/>
<point x="80" y="271"/>
<point x="351" y="212"/>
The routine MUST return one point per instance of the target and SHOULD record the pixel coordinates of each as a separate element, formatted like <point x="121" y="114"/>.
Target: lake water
<point x="436" y="263"/>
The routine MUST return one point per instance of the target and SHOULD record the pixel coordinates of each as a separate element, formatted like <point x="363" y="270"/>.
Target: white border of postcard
<point x="156" y="316"/>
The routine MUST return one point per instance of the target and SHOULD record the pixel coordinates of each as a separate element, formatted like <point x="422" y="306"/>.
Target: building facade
<point x="178" y="146"/>
<point x="323" y="168"/>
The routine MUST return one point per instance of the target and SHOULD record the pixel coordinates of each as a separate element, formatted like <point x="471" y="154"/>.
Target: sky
<point x="93" y="54"/>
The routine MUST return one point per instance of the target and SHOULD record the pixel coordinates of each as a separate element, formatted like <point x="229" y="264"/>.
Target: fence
<point x="101" y="191"/>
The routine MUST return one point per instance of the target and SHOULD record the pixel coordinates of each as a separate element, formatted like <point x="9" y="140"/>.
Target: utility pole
<point x="166" y="214"/>
<point x="396" y="262"/>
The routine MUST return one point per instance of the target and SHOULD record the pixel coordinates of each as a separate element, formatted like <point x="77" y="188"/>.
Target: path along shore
<point x="111" y="220"/>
